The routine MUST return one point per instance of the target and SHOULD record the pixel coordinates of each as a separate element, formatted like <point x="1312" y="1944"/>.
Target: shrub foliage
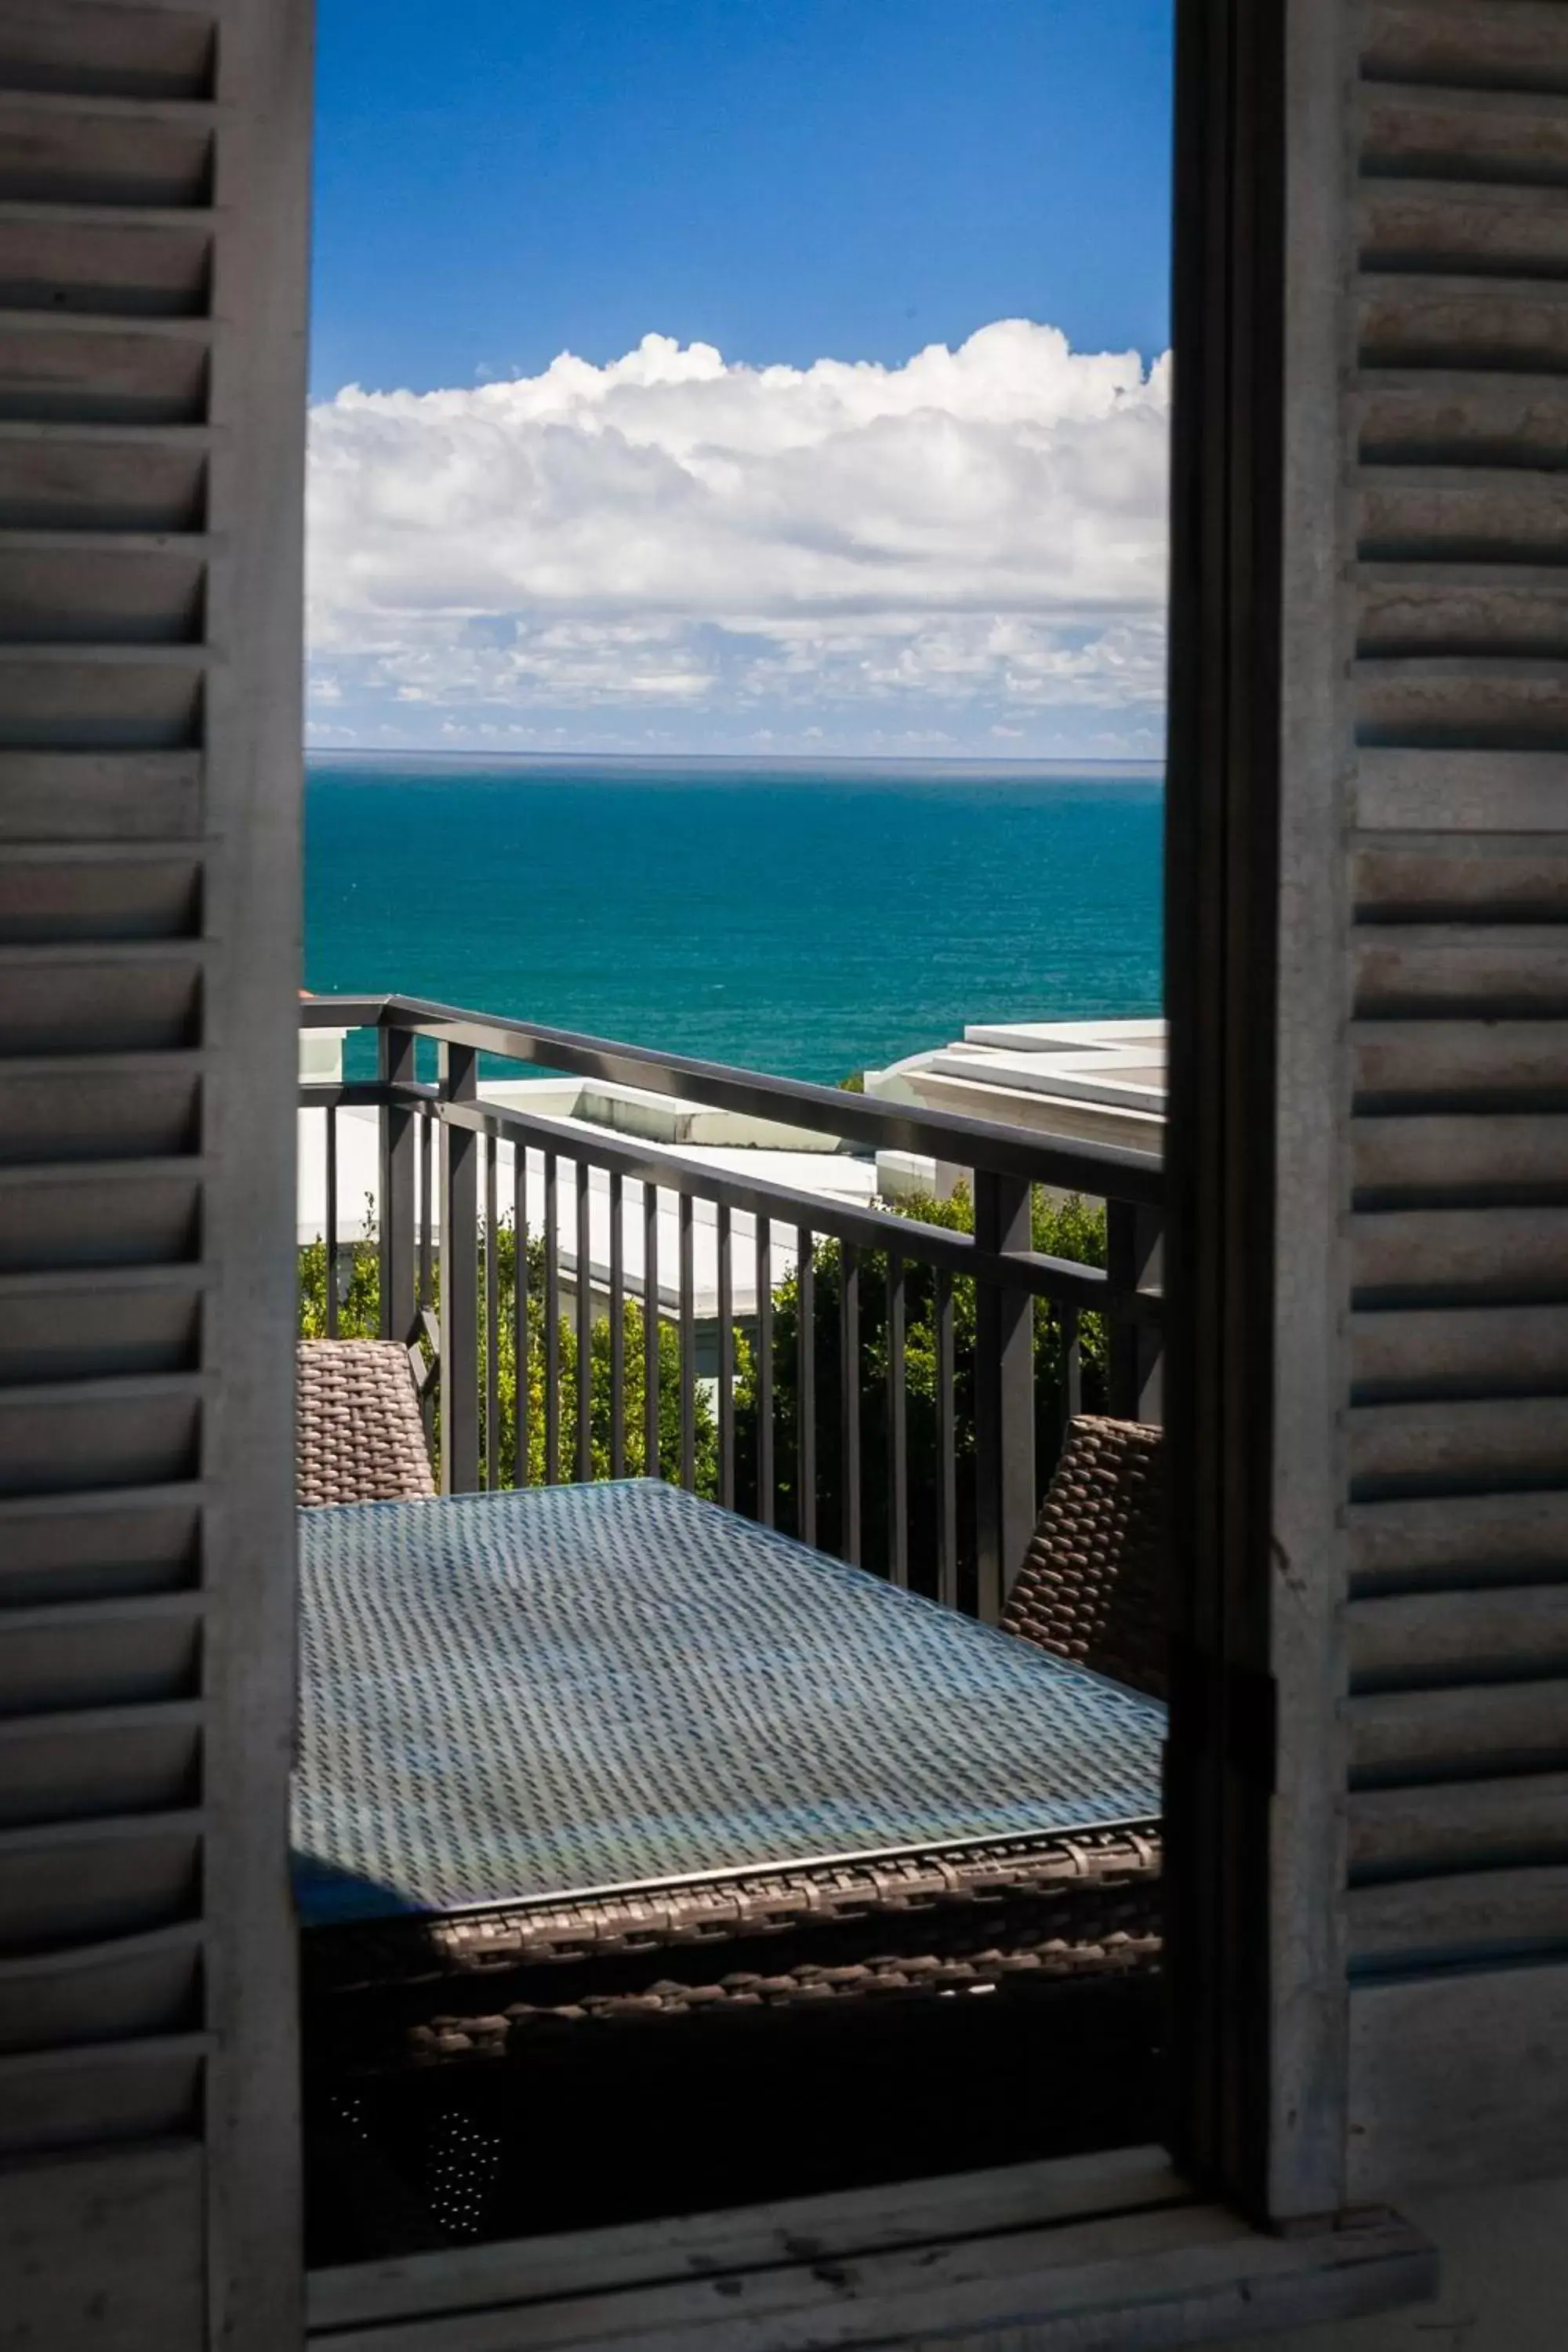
<point x="1071" y="1229"/>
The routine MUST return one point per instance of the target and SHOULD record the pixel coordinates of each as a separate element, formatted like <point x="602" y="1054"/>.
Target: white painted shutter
<point x="1457" y="1436"/>
<point x="153" y="201"/>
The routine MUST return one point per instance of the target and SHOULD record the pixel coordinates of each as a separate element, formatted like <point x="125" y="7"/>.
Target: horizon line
<point x="1069" y="762"/>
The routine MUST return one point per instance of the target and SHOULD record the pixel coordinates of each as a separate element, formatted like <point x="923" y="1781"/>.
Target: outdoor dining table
<point x="565" y="1690"/>
<point x="611" y="1804"/>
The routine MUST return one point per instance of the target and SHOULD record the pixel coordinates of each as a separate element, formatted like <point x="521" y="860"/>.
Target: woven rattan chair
<point x="1094" y="1586"/>
<point x="359" y="1437"/>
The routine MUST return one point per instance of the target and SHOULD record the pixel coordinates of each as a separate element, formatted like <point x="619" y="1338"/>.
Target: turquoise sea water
<point x="806" y="921"/>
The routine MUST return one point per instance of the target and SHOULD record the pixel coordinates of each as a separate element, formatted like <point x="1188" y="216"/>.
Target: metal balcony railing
<point x="581" y="1303"/>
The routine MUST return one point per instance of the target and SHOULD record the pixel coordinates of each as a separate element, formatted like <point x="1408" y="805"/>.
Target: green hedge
<point x="359" y="1317"/>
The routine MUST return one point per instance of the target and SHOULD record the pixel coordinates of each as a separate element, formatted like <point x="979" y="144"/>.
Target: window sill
<point x="1114" y="2244"/>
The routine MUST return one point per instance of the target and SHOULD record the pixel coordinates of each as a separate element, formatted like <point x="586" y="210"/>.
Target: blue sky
<point x="500" y="181"/>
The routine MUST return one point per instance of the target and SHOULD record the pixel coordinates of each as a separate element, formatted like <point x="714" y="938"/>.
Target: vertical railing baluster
<point x="805" y="1385"/>
<point x="585" y="1326"/>
<point x="726" y="1360"/>
<point x="764" y="1292"/>
<point x="1133" y="1256"/>
<point x="395" y="1142"/>
<point x="688" y="1342"/>
<point x="849" y="1403"/>
<point x="898" y="1430"/>
<point x="519" y="1314"/>
<point x="330" y="1238"/>
<point x="617" y="1330"/>
<point x="426" y="1301"/>
<point x="552" y="1328"/>
<point x="1072" y="1366"/>
<point x="493" y="1322"/>
<point x="652" y="1466"/>
<point x="426" y="1212"/>
<point x="1004" y="1497"/>
<point x="459" y="1280"/>
<point x="946" y="1443"/>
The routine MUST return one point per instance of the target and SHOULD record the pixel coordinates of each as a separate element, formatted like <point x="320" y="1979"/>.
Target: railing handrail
<point x="1060" y="1280"/>
<point x="1103" y="1170"/>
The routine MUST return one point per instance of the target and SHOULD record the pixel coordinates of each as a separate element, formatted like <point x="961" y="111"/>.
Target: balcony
<point x="830" y="1350"/>
<point x="621" y="1789"/>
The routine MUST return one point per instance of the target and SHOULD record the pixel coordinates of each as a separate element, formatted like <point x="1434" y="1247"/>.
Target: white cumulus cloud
<point x="968" y="549"/>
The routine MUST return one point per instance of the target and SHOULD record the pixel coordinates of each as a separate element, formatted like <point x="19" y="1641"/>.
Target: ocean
<point x="810" y="921"/>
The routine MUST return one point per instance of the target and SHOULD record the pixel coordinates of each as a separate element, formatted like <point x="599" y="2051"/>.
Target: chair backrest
<point x="1094" y="1588"/>
<point x="359" y="1436"/>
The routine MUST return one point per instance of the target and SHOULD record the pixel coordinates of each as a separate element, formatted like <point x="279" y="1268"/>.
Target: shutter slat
<point x="99" y="796"/>
<point x="1438" y="227"/>
<point x="130" y="2091"/>
<point x="1457" y="416"/>
<point x="143" y="156"/>
<point x="1480" y="1539"/>
<point x="1468" y="704"/>
<point x="81" y="1882"/>
<point x="97" y="590"/>
<point x="1461" y="611"/>
<point x="98" y="1325"/>
<point x="1421" y="130"/>
<point x="1435" y="1153"/>
<point x="156" y="53"/>
<point x="1458" y="1734"/>
<point x="129" y="1106"/>
<point x="1498" y="968"/>
<point x="1449" y="1058"/>
<point x="1463" y="516"/>
<point x="84" y="1762"/>
<point x="1428" y="791"/>
<point x="1513" y="326"/>
<point x="1453" y="1445"/>
<point x="143" y="1984"/>
<point x="140" y="1431"/>
<point x="136" y="997"/>
<point x="55" y="894"/>
<point x="1454" y="1256"/>
<point x="96" y="259"/>
<point x="1471" y="1916"/>
<point x="1458" y="1825"/>
<point x="61" y="479"/>
<point x="1505" y="875"/>
<point x="92" y="1546"/>
<point x="91" y="371"/>
<point x="1496" y="1633"/>
<point x="1459" y="1352"/>
<point x="65" y="1218"/>
<point x="1471" y="44"/>
<point x="109" y="1653"/>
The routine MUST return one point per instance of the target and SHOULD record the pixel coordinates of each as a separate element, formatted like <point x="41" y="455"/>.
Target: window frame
<point x="1247" y="2210"/>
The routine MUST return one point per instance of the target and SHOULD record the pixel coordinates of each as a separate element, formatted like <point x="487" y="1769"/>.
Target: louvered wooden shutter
<point x="1458" y="1433"/>
<point x="1368" y="1403"/>
<point x="153" y="202"/>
